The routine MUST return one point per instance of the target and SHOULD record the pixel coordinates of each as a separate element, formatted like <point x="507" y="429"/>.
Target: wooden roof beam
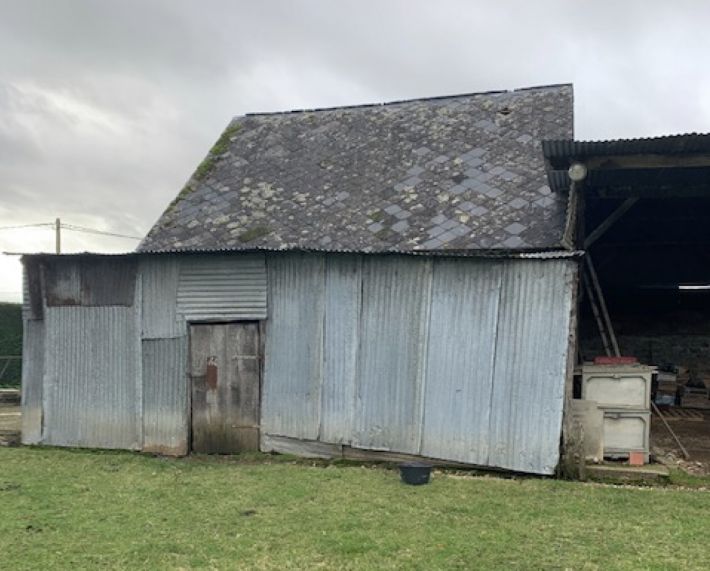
<point x="600" y="230"/>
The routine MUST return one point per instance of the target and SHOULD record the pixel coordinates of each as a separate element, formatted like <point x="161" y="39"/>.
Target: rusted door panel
<point x="225" y="373"/>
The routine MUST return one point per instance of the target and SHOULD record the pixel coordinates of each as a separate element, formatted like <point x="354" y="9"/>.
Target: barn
<point x="380" y="281"/>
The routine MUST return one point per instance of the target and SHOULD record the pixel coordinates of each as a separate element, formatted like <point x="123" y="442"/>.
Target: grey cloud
<point x="106" y="107"/>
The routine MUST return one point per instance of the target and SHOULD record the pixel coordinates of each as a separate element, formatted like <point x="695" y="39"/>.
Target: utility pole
<point x="58" y="235"/>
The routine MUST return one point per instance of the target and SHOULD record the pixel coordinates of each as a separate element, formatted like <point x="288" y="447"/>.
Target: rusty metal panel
<point x="62" y="280"/>
<point x="343" y="284"/>
<point x="165" y="396"/>
<point x="531" y="365"/>
<point x="460" y="358"/>
<point x="92" y="282"/>
<point x="294" y="346"/>
<point x="224" y="373"/>
<point x="159" y="277"/>
<point x="393" y="330"/>
<point x="26" y="307"/>
<point x="32" y="380"/>
<point x="92" y="395"/>
<point x="32" y="298"/>
<point x="222" y="288"/>
<point x="107" y="281"/>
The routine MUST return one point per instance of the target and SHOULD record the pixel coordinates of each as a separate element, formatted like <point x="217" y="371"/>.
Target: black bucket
<point x="415" y="473"/>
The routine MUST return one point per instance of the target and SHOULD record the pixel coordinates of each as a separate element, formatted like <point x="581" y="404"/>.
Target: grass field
<point x="64" y="509"/>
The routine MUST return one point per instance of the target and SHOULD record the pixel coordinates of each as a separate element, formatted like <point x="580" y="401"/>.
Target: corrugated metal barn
<point x="379" y="279"/>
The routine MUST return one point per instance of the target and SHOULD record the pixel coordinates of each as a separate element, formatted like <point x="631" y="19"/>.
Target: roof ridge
<point x="410" y="100"/>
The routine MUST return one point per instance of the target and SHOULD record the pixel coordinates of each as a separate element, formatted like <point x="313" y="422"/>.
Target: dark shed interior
<point x="644" y="222"/>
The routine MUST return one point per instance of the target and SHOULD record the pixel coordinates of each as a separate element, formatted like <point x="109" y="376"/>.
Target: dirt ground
<point x="10" y="418"/>
<point x="10" y="424"/>
<point x="693" y="431"/>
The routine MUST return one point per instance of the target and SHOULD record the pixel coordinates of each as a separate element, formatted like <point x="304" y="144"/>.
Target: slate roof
<point x="444" y="174"/>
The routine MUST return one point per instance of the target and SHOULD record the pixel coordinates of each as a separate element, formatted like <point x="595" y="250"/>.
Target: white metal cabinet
<point x="618" y="386"/>
<point x="626" y="431"/>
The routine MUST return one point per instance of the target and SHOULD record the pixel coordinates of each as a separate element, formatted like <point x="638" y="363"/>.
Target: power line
<point x="73" y="228"/>
<point x="27" y="226"/>
<point x="100" y="232"/>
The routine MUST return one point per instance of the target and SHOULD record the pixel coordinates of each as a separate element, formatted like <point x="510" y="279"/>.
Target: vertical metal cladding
<point x="159" y="275"/>
<point x="165" y="396"/>
<point x="32" y="380"/>
<point x="222" y="287"/>
<point x="92" y="378"/>
<point x="294" y="346"/>
<point x="343" y="281"/>
<point x="530" y="365"/>
<point x="395" y="300"/>
<point x="457" y="359"/>
<point x="460" y="356"/>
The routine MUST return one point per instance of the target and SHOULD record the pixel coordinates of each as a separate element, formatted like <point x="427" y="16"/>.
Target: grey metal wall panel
<point x="530" y="365"/>
<point x="32" y="380"/>
<point x="92" y="394"/>
<point x="294" y="346"/>
<point x="343" y="280"/>
<point x="460" y="356"/>
<point x="222" y="287"/>
<point x="165" y="396"/>
<point x="159" y="275"/>
<point x="395" y="302"/>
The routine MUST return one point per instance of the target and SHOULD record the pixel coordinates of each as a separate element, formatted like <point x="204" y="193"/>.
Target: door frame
<point x="261" y="345"/>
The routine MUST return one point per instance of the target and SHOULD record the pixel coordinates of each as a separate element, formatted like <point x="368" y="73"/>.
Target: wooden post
<point x="58" y="236"/>
<point x="673" y="434"/>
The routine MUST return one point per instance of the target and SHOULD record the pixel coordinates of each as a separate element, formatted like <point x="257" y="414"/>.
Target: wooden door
<point x="225" y="373"/>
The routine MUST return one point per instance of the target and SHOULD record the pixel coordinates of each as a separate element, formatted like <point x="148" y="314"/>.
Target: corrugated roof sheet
<point x="667" y="145"/>
<point x="500" y="253"/>
<point x="454" y="173"/>
<point x="559" y="154"/>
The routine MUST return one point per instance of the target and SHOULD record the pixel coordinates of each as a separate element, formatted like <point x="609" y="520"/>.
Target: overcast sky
<point x="107" y="107"/>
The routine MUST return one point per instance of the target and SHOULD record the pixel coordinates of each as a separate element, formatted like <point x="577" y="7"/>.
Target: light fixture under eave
<point x="704" y="287"/>
<point x="577" y="172"/>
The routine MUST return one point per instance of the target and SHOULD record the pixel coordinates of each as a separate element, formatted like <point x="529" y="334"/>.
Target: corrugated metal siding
<point x="461" y="360"/>
<point x="294" y="346"/>
<point x="530" y="365"/>
<point x="159" y="277"/>
<point x="165" y="396"/>
<point x="32" y="380"/>
<point x="222" y="287"/>
<point x="395" y="300"/>
<point x="455" y="359"/>
<point x="460" y="355"/>
<point x="343" y="280"/>
<point x="92" y="378"/>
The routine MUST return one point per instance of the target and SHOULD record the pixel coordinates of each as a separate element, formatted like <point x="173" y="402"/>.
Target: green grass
<point x="11" y="341"/>
<point x="64" y="509"/>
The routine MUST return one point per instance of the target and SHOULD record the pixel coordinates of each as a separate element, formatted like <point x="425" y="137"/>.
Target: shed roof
<point x="671" y="164"/>
<point x="448" y="174"/>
